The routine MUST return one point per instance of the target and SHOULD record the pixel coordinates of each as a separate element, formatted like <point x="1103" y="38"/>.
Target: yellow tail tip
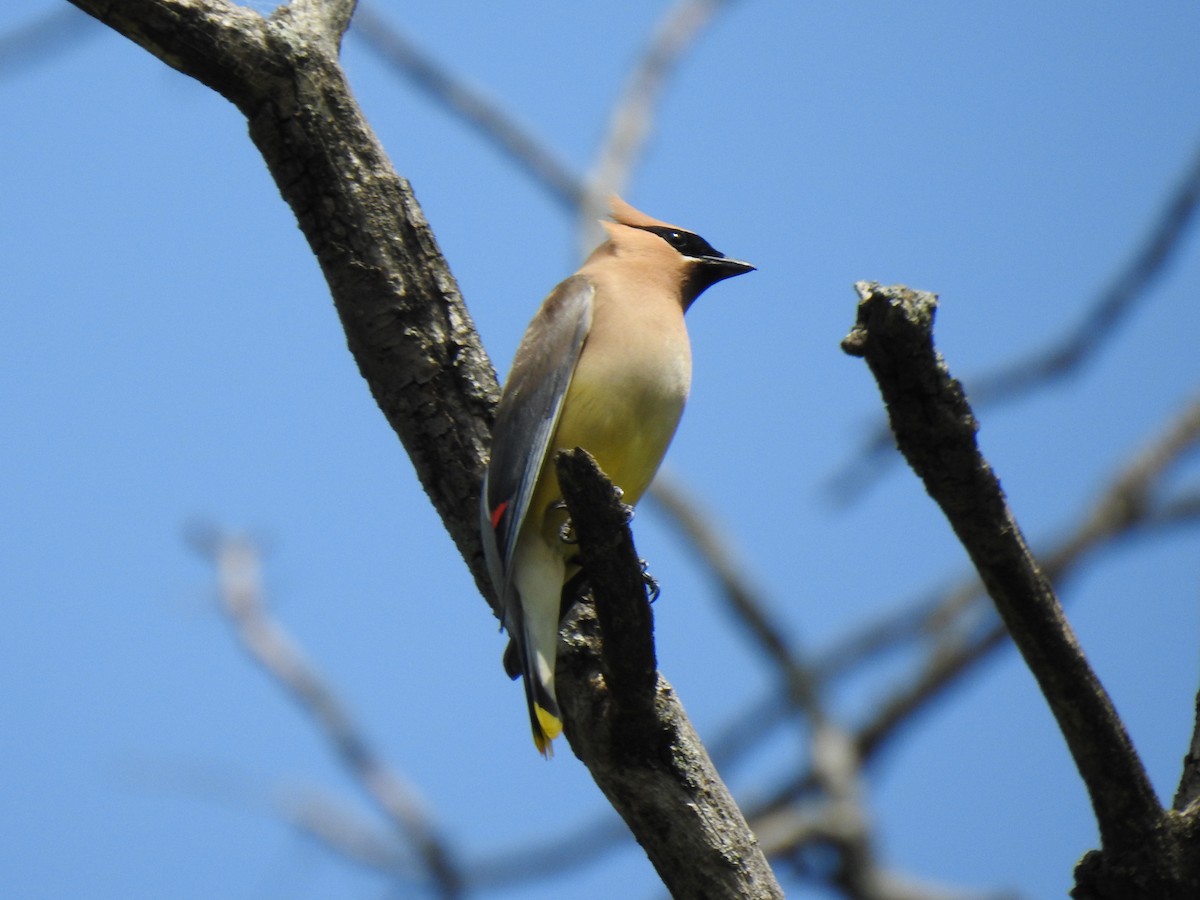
<point x="550" y="727"/>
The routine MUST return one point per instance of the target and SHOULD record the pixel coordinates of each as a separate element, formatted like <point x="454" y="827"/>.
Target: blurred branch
<point x="481" y="113"/>
<point x="841" y="820"/>
<point x="633" y="114"/>
<point x="1131" y="285"/>
<point x="839" y="823"/>
<point x="43" y="38"/>
<point x="701" y="533"/>
<point x="1071" y="352"/>
<point x="629" y="124"/>
<point x="240" y="579"/>
<point x="1127" y="508"/>
<point x="336" y="828"/>
<point x="960" y="631"/>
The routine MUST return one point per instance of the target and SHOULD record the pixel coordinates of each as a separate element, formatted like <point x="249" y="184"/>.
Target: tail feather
<point x="545" y="719"/>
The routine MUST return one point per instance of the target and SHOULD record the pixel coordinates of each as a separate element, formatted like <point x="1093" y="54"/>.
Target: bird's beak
<point x="718" y="268"/>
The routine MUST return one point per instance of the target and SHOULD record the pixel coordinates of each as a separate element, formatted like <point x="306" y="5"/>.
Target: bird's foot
<point x="650" y="581"/>
<point x="566" y="532"/>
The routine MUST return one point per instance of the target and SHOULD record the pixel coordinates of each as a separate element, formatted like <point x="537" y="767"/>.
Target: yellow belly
<point x="625" y="423"/>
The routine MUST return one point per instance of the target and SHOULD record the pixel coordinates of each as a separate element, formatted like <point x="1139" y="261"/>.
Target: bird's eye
<point x="684" y="241"/>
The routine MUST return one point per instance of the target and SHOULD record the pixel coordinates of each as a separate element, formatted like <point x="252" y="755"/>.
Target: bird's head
<point x="686" y="256"/>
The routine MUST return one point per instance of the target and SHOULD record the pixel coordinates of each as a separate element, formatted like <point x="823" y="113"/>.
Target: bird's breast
<point x="626" y="397"/>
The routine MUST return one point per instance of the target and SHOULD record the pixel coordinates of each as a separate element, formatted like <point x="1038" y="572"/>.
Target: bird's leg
<point x="566" y="532"/>
<point x="649" y="580"/>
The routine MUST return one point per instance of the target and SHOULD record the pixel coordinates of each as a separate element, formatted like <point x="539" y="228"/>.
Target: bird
<point x="605" y="365"/>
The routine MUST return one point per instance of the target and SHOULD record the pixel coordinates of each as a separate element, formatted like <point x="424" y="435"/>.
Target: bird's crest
<point x="625" y="214"/>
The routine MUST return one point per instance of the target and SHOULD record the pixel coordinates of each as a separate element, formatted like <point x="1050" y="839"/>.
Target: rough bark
<point x="405" y="321"/>
<point x="625" y="722"/>
<point x="415" y="344"/>
<point x="1146" y="851"/>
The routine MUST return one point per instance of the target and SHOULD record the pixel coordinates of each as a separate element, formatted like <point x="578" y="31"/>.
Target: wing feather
<point x="525" y="422"/>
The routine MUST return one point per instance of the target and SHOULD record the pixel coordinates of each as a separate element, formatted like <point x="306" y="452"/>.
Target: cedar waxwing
<point x="605" y="365"/>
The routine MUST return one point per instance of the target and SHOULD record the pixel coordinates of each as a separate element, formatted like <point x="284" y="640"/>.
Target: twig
<point x="1131" y="285"/>
<point x="713" y="549"/>
<point x="633" y="114"/>
<point x="1070" y="353"/>
<point x="479" y="112"/>
<point x="935" y="430"/>
<point x="239" y="574"/>
<point x="29" y="44"/>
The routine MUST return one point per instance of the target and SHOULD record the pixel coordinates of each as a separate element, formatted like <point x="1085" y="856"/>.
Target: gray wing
<point x="525" y="422"/>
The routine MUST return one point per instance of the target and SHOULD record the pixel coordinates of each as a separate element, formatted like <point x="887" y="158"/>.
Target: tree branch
<point x="1188" y="791"/>
<point x="625" y="722"/>
<point x="415" y="344"/>
<point x="1131" y="285"/>
<point x="55" y="30"/>
<point x="750" y="608"/>
<point x="1069" y="353"/>
<point x="935" y="430"/>
<point x="405" y="321"/>
<point x="241" y="593"/>
<point x="633" y="113"/>
<point x="479" y="112"/>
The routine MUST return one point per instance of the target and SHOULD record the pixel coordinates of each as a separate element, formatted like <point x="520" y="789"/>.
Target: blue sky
<point x="169" y="356"/>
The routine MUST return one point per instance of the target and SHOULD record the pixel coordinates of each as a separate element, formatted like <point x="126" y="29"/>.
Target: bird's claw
<point x="650" y="581"/>
<point x="566" y="532"/>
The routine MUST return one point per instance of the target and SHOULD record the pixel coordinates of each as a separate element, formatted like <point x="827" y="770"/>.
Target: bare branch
<point x="713" y="549"/>
<point x="415" y="344"/>
<point x="1188" y="792"/>
<point x="935" y="430"/>
<point x="962" y="634"/>
<point x="625" y="723"/>
<point x="633" y="114"/>
<point x="405" y="321"/>
<point x="29" y="44"/>
<point x="481" y="113"/>
<point x="328" y="17"/>
<point x="242" y="598"/>
<point x="1131" y="285"/>
<point x="1070" y="353"/>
